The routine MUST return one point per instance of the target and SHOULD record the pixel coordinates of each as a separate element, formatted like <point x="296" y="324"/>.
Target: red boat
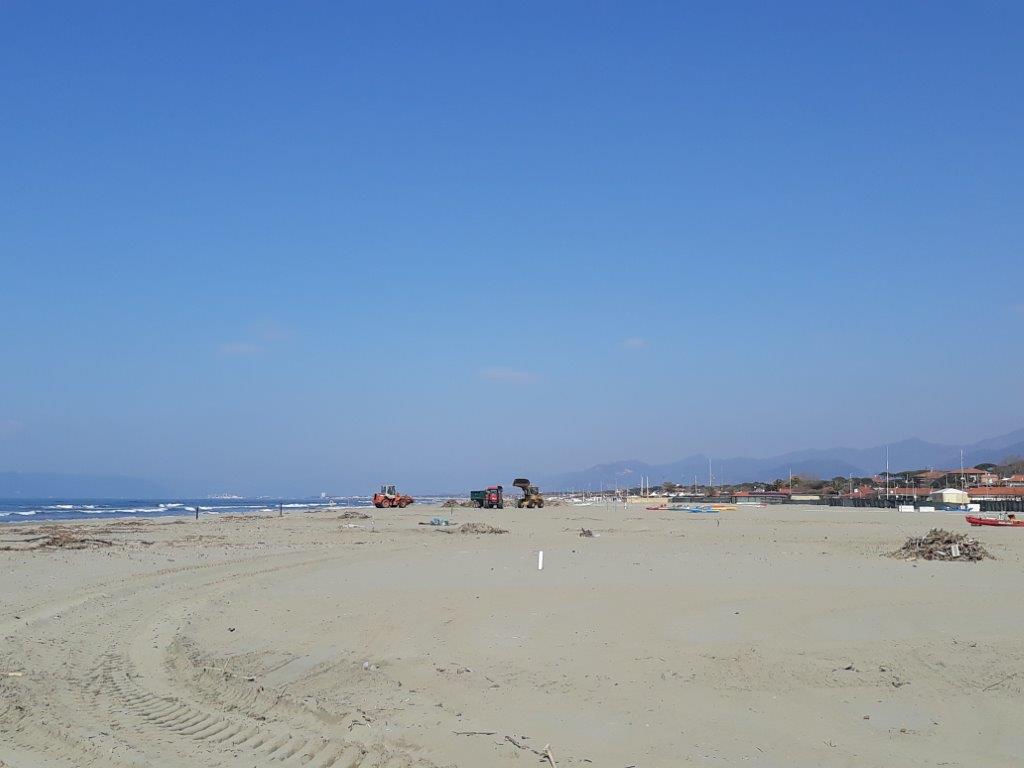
<point x="1005" y="521"/>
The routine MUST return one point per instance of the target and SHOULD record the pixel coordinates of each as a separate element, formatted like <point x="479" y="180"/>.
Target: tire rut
<point x="108" y="701"/>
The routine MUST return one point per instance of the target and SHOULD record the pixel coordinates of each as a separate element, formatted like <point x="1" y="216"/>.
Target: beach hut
<point x="949" y="496"/>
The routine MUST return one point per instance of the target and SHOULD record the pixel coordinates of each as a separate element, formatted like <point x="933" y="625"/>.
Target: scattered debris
<point x="60" y="538"/>
<point x="437" y="521"/>
<point x="352" y="514"/>
<point x="586" y="533"/>
<point x="473" y="528"/>
<point x="999" y="682"/>
<point x="544" y="754"/>
<point x="450" y="503"/>
<point x="114" y="524"/>
<point x="940" y="544"/>
<point x="515" y="743"/>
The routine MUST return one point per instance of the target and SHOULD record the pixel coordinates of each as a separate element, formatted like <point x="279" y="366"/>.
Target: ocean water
<point x="36" y="510"/>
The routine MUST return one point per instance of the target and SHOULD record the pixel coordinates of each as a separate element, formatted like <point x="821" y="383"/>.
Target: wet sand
<point x="763" y="637"/>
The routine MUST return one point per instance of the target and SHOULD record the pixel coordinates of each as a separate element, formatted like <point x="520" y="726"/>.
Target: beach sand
<point x="765" y="637"/>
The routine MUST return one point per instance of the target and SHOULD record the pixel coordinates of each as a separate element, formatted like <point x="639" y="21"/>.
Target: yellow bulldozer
<point x="531" y="494"/>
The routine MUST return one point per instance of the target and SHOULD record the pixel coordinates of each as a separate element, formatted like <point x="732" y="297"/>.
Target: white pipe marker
<point x="540" y="560"/>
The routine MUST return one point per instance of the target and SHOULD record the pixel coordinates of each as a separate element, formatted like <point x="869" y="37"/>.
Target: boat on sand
<point x="1001" y="521"/>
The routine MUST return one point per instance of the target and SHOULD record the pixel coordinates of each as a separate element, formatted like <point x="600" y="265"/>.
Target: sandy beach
<point x="762" y="637"/>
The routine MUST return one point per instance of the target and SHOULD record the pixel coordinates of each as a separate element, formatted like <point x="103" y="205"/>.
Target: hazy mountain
<point x="44" y="485"/>
<point x="1011" y="440"/>
<point x="818" y="462"/>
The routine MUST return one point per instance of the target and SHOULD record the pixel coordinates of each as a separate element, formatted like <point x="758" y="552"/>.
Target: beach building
<point x="949" y="496"/>
<point x="953" y="478"/>
<point x="968" y="475"/>
<point x="905" y="494"/>
<point x="927" y="478"/>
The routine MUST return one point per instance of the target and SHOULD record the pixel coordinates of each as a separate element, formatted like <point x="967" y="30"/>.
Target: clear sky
<point x="293" y="247"/>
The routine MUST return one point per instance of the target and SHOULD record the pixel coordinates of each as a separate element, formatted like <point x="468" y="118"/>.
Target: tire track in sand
<point x="98" y="719"/>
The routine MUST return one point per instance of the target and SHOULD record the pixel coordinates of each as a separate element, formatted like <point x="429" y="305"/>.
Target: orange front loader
<point x="388" y="497"/>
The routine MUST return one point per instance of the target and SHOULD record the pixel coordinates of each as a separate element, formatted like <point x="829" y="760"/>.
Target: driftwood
<point x="939" y="544"/>
<point x="999" y="682"/>
<point x="515" y="743"/>
<point x="543" y="754"/>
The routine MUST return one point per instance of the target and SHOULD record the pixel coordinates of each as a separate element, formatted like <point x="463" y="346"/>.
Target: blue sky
<point x="275" y="248"/>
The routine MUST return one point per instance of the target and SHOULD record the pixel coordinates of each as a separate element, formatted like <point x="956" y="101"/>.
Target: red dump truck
<point x="491" y="498"/>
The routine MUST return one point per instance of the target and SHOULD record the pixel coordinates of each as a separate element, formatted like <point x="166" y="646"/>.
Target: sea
<point x="36" y="510"/>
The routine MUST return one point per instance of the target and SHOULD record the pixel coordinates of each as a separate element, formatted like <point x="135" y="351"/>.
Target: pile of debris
<point x="940" y="544"/>
<point x="450" y="503"/>
<point x="473" y="528"/>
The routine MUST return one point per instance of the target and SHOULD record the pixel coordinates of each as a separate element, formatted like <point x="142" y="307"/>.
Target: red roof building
<point x="997" y="492"/>
<point x="915" y="492"/>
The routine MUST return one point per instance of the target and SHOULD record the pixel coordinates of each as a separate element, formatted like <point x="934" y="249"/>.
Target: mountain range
<point x="817" y="462"/>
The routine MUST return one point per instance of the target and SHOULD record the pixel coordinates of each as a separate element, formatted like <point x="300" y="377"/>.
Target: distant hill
<point x="819" y="462"/>
<point x="45" y="485"/>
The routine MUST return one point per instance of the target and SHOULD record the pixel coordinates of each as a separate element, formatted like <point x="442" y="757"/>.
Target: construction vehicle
<point x="490" y="498"/>
<point x="531" y="494"/>
<point x="389" y="497"/>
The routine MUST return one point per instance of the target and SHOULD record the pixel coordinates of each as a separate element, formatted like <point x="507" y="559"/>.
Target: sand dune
<point x="768" y="637"/>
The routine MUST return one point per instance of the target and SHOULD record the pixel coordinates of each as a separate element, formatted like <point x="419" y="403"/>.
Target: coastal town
<point x="992" y="487"/>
